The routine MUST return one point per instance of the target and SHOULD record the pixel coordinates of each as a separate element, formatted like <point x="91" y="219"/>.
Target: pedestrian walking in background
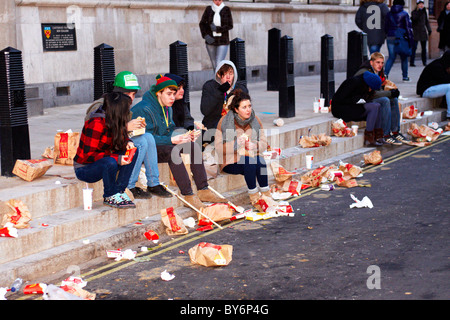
<point x="214" y="25"/>
<point x="350" y="103"/>
<point x="370" y="19"/>
<point x="421" y="30"/>
<point x="400" y="38"/>
<point x="444" y="28"/>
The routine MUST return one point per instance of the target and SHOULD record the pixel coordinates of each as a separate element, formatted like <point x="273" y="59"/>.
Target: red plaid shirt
<point x="95" y="142"/>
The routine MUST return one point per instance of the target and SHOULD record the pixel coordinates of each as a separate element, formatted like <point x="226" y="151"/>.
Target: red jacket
<point x="95" y="141"/>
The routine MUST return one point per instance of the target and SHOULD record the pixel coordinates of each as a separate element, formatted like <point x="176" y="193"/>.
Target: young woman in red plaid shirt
<point x="101" y="152"/>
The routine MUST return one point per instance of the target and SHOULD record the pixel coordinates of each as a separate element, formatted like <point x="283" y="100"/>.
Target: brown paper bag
<point x="410" y="112"/>
<point x="340" y="129"/>
<point x="264" y="203"/>
<point x="347" y="183"/>
<point x="280" y="173"/>
<point x="211" y="255"/>
<point x="315" y="141"/>
<point x="19" y="214"/>
<point x="373" y="158"/>
<point x="216" y="212"/>
<point x="350" y="171"/>
<point x="31" y="169"/>
<point x="66" y="144"/>
<point x="389" y="85"/>
<point x="173" y="222"/>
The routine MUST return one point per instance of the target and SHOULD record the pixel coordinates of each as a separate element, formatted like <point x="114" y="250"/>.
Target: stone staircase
<point x="62" y="233"/>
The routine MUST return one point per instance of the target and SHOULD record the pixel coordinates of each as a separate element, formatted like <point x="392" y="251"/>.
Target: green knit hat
<point x="164" y="82"/>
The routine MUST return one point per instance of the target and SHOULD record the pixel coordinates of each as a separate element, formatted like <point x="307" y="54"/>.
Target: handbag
<point x="402" y="43"/>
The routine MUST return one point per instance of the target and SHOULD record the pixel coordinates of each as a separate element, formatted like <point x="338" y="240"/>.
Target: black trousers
<point x="423" y="45"/>
<point x="171" y="154"/>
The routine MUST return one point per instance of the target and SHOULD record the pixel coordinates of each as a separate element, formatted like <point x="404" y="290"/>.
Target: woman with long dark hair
<point x="239" y="141"/>
<point x="101" y="152"/>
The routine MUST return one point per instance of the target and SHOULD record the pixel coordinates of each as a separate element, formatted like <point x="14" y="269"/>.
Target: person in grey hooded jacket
<point x="370" y="19"/>
<point x="215" y="93"/>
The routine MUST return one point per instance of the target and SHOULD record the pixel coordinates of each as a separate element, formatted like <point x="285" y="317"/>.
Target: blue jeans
<point x="252" y="168"/>
<point x="375" y="48"/>
<point x="148" y="155"/>
<point x="437" y="91"/>
<point x="390" y="114"/>
<point x="393" y="56"/>
<point x="106" y="168"/>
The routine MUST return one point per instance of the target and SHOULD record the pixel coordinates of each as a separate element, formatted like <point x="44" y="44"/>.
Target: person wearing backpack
<point x="400" y="38"/>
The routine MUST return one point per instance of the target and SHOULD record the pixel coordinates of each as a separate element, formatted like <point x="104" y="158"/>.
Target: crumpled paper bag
<point x="373" y="158"/>
<point x="315" y="141"/>
<point x="216" y="212"/>
<point x="173" y="222"/>
<point x="280" y="174"/>
<point x="19" y="215"/>
<point x="211" y="255"/>
<point x="340" y="129"/>
<point x="410" y="112"/>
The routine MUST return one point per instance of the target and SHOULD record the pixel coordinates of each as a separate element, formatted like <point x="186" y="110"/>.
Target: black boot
<point x="369" y="139"/>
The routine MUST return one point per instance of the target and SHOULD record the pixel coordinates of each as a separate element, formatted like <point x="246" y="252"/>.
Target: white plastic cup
<point x="309" y="160"/>
<point x="355" y="129"/>
<point x="87" y="198"/>
<point x="316" y="106"/>
<point x="322" y="103"/>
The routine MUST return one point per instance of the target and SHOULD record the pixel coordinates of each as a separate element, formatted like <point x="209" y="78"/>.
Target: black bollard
<point x="327" y="68"/>
<point x="104" y="70"/>
<point x="273" y="60"/>
<point x="286" y="89"/>
<point x="14" y="132"/>
<point x="356" y="51"/>
<point x="178" y="64"/>
<point x="237" y="56"/>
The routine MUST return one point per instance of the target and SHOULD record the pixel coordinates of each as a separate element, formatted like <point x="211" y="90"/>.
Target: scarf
<point x="229" y="130"/>
<point x="216" y="19"/>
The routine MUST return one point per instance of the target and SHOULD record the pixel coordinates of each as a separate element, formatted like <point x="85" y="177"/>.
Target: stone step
<point x="66" y="227"/>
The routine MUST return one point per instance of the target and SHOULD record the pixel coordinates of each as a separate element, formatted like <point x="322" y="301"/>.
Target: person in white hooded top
<point x="214" y="25"/>
<point x="215" y="94"/>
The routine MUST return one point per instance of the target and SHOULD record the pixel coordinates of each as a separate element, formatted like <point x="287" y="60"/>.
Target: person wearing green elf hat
<point x="156" y="108"/>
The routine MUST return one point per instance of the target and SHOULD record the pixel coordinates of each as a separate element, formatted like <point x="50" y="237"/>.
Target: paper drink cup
<point x="87" y="198"/>
<point x="309" y="160"/>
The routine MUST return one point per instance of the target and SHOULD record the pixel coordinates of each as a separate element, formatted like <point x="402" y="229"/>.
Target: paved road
<point x="327" y="251"/>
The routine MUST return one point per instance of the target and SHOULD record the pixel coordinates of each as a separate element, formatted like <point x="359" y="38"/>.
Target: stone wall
<point x="141" y="32"/>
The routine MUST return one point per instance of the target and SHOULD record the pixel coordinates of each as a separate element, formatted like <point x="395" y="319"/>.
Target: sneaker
<point x="159" y="191"/>
<point x="115" y="201"/>
<point x="406" y="79"/>
<point x="400" y="138"/>
<point x="393" y="141"/>
<point x="138" y="193"/>
<point x="126" y="201"/>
